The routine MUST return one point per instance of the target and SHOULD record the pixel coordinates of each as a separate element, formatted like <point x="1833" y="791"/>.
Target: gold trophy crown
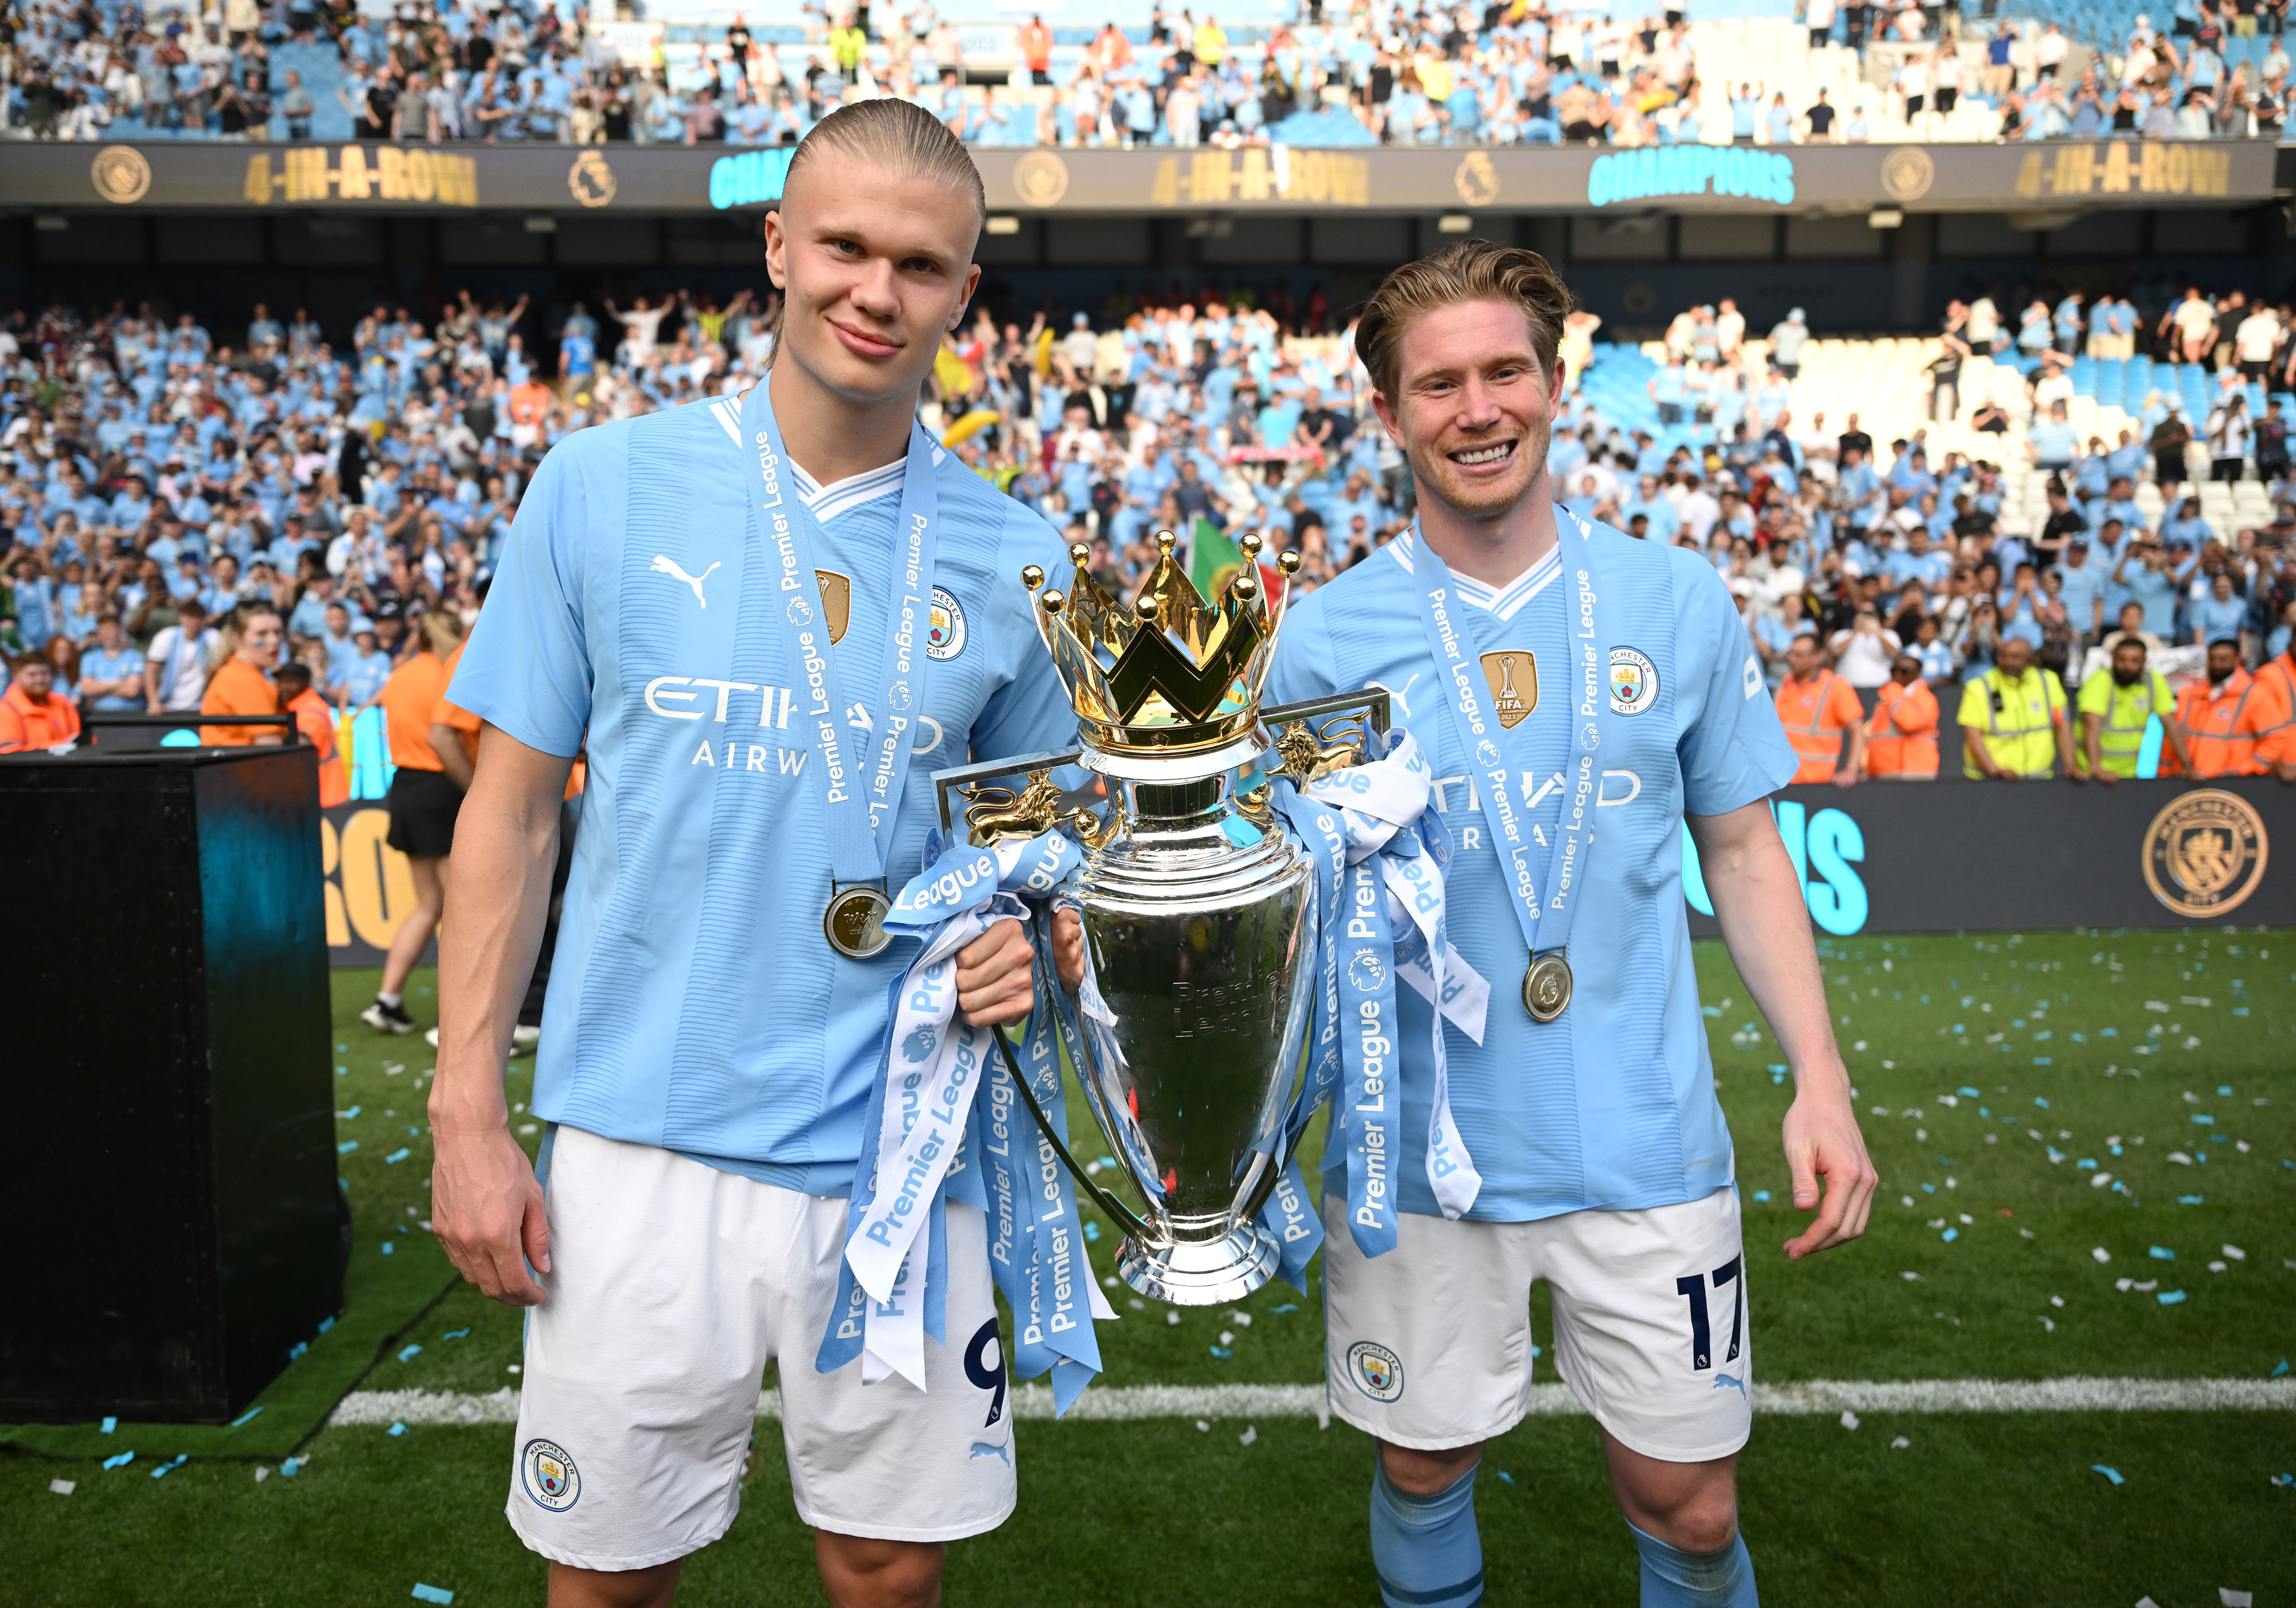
<point x="1167" y="675"/>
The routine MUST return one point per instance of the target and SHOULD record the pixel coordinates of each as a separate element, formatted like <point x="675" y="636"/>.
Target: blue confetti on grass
<point x="354" y="1111"/>
<point x="1222" y="1353"/>
<point x="245" y="1416"/>
<point x="397" y="1156"/>
<point x="396" y="1429"/>
<point x="410" y="1353"/>
<point x="120" y="1460"/>
<point x="456" y="1335"/>
<point x="2188" y="1199"/>
<point x="2042" y="1061"/>
<point x="2203" y="1120"/>
<point x="2044" y="1105"/>
<point x="1092" y="1232"/>
<point x="2112" y="1475"/>
<point x="2277" y="1372"/>
<point x="298" y="1349"/>
<point x="2171" y="1298"/>
<point x="2161" y="1253"/>
<point x="1762" y="1195"/>
<point x="291" y="1467"/>
<point x="346" y="1147"/>
<point x="431" y="1594"/>
<point x="168" y="1468"/>
<point x="1287" y="1307"/>
<point x="1966" y="1093"/>
<point x="387" y="1247"/>
<point x="108" y="1425"/>
<point x="326" y="1323"/>
<point x="1952" y="1234"/>
<point x="1506" y="1476"/>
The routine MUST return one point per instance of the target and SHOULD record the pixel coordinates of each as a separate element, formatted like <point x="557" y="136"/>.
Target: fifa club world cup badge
<point x="551" y="1478"/>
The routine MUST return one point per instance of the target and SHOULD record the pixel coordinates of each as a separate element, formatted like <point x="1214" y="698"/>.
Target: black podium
<point x="171" y="1196"/>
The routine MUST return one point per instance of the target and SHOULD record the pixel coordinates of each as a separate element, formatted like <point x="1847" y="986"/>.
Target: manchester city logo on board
<point x="2205" y="853"/>
<point x="550" y="1476"/>
<point x="1634" y="681"/>
<point x="1377" y="1371"/>
<point x="945" y="630"/>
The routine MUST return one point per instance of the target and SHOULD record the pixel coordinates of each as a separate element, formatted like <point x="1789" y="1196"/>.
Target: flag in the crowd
<point x="1213" y="558"/>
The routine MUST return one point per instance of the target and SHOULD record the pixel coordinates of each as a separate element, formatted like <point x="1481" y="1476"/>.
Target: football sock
<point x="1425" y="1548"/>
<point x="390" y="999"/>
<point x="1675" y="1578"/>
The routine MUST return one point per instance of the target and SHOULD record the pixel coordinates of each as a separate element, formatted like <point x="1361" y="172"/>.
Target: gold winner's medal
<point x="1547" y="987"/>
<point x="854" y="923"/>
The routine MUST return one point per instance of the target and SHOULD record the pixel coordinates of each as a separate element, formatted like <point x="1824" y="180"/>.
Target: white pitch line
<point x="1821" y="1397"/>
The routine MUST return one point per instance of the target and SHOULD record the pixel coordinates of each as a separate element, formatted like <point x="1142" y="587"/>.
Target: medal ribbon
<point x="1546" y="921"/>
<point x="858" y="806"/>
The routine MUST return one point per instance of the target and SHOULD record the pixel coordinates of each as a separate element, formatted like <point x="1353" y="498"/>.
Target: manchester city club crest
<point x="1634" y="681"/>
<point x="945" y="630"/>
<point x="1377" y="1371"/>
<point x="550" y="1476"/>
<point x="2205" y="853"/>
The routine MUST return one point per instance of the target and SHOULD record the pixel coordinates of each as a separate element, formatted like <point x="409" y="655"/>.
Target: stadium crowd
<point x="1374" y="71"/>
<point x="185" y="512"/>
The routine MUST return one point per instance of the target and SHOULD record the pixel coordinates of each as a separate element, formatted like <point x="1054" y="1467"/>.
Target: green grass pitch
<point x="1999" y="1076"/>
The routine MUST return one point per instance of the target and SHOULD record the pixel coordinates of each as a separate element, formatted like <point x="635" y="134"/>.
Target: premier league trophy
<point x="1198" y="911"/>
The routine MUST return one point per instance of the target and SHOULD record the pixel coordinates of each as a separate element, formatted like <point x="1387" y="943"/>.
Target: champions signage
<point x="749" y="178"/>
<point x="1655" y="170"/>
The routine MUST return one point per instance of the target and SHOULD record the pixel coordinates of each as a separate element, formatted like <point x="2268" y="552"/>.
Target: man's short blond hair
<point x="1473" y="270"/>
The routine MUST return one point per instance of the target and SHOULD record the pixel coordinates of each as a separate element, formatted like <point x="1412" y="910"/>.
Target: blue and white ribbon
<point x="1380" y="863"/>
<point x="925" y="1128"/>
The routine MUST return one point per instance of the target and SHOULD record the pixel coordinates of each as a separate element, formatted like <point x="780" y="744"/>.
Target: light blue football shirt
<point x="693" y="1002"/>
<point x="1612" y="1104"/>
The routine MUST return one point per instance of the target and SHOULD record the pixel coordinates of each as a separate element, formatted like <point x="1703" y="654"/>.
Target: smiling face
<point x="876" y="266"/>
<point x="1473" y="410"/>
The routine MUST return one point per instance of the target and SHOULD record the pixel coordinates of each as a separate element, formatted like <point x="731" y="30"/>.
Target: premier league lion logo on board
<point x="1377" y="1371"/>
<point x="551" y="1478"/>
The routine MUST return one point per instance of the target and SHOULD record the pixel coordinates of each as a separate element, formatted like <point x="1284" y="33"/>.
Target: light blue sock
<point x="1675" y="1578"/>
<point x="1425" y="1547"/>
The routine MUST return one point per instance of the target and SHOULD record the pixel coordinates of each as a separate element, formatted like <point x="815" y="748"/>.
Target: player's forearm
<point x="497" y="899"/>
<point x="1758" y="899"/>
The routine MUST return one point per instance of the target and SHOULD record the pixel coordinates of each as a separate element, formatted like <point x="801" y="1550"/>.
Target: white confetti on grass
<point x="63" y="1488"/>
<point x="1827" y="1397"/>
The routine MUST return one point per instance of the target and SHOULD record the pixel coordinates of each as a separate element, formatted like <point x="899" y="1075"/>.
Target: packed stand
<point x="1373" y="73"/>
<point x="1895" y="512"/>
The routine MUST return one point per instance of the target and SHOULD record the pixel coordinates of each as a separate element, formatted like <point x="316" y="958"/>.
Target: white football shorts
<point x="1429" y="1346"/>
<point x="672" y="1284"/>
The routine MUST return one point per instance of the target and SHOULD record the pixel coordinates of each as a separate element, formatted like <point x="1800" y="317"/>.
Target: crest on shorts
<point x="550" y="1476"/>
<point x="1377" y="1371"/>
<point x="1634" y="681"/>
<point x="1513" y="678"/>
<point x="945" y="629"/>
